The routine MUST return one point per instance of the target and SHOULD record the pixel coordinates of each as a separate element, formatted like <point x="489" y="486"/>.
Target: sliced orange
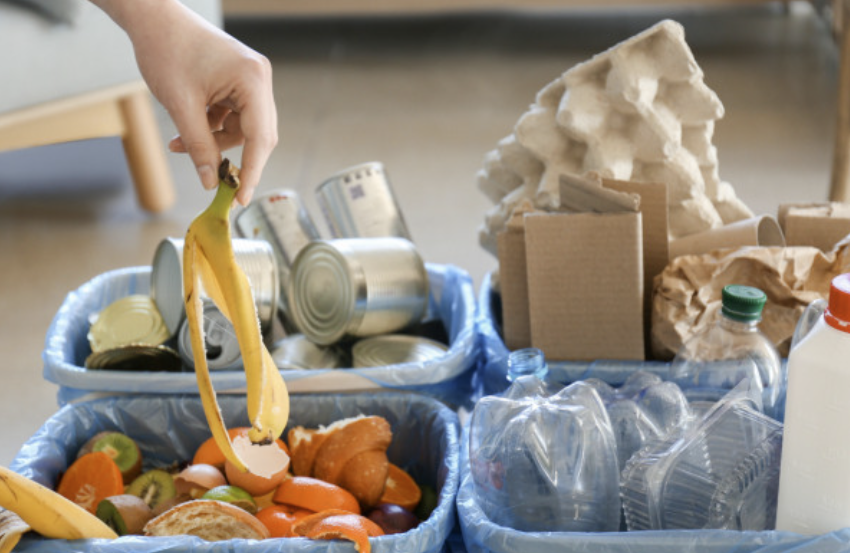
<point x="90" y="479"/>
<point x="334" y="524"/>
<point x="401" y="489"/>
<point x="279" y="519"/>
<point x="211" y="454"/>
<point x="314" y="494"/>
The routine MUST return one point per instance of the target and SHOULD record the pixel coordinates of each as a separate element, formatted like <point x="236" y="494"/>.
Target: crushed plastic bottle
<point x="714" y="361"/>
<point x="527" y="361"/>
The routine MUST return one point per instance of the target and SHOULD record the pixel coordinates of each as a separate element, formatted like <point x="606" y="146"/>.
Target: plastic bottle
<point x="527" y="361"/>
<point x="715" y="360"/>
<point x="814" y="485"/>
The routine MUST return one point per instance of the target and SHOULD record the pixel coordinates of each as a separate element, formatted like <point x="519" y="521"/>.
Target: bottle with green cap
<point x="714" y="361"/>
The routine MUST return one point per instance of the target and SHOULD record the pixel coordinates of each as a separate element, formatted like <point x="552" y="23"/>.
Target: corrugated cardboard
<point x="821" y="225"/>
<point x="513" y="281"/>
<point x="585" y="285"/>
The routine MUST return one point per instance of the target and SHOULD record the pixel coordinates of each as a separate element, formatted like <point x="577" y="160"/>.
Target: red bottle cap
<point x="837" y="315"/>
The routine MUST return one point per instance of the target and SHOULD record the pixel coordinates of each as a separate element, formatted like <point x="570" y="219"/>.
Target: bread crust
<point x="208" y="519"/>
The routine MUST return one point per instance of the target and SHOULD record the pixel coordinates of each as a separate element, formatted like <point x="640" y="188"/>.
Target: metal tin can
<point x="255" y="257"/>
<point x="222" y="347"/>
<point x="359" y="202"/>
<point x="131" y="320"/>
<point x="135" y="357"/>
<point x="296" y="352"/>
<point x="395" y="349"/>
<point x="356" y="287"/>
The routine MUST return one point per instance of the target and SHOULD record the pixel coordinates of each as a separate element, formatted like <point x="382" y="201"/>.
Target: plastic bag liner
<point x="448" y="377"/>
<point x="481" y="535"/>
<point x="169" y="428"/>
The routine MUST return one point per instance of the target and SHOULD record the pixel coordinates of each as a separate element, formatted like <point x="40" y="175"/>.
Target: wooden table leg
<point x="840" y="185"/>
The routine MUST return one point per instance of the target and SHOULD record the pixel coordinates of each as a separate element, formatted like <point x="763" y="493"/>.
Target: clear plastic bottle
<point x="814" y="482"/>
<point x="527" y="361"/>
<point x="714" y="361"/>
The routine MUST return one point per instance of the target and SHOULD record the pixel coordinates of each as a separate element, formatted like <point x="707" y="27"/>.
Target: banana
<point x="208" y="260"/>
<point x="47" y="512"/>
<point x="12" y="527"/>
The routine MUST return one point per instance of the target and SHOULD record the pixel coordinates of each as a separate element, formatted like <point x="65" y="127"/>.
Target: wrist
<point x="132" y="14"/>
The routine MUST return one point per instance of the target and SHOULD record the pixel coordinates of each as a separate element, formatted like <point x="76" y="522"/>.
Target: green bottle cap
<point x="743" y="303"/>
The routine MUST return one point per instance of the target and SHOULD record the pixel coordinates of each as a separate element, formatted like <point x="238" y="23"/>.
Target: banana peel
<point x="44" y="511"/>
<point x="209" y="261"/>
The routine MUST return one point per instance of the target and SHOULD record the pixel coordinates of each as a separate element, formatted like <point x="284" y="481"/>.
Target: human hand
<point x="217" y="90"/>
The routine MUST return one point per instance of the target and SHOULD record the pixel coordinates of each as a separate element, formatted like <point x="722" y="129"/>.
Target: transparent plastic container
<point x="720" y="473"/>
<point x="525" y="362"/>
<point x="544" y="461"/>
<point x="714" y="361"/>
<point x="814" y="490"/>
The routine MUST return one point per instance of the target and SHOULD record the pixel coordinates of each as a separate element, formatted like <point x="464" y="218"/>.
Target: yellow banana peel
<point x="12" y="527"/>
<point x="208" y="260"/>
<point x="45" y="511"/>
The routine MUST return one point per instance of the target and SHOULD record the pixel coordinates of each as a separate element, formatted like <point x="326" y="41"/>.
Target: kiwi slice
<point x="123" y="450"/>
<point x="153" y="486"/>
<point x="126" y="514"/>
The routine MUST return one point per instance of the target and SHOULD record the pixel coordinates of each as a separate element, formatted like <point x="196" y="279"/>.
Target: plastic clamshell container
<point x="447" y="377"/>
<point x="169" y="428"/>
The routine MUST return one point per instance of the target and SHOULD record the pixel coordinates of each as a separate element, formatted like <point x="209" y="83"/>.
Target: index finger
<point x="259" y="127"/>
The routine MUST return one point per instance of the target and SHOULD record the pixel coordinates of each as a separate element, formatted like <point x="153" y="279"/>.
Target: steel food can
<point x="395" y="349"/>
<point x="296" y="352"/>
<point x="357" y="287"/>
<point x="359" y="202"/>
<point x="256" y="259"/>
<point x="131" y="320"/>
<point x="222" y="347"/>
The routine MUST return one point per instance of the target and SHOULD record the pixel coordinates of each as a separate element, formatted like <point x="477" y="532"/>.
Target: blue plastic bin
<point x="449" y="377"/>
<point x="170" y="427"/>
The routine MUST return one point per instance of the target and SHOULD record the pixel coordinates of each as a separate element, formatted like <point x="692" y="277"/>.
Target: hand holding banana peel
<point x="208" y="260"/>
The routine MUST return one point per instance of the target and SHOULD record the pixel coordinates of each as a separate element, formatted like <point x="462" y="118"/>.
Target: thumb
<point x="199" y="143"/>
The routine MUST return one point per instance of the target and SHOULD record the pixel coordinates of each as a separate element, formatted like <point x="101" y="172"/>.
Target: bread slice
<point x="208" y="519"/>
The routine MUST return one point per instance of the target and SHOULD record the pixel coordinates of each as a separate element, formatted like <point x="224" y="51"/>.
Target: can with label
<point x="356" y="287"/>
<point x="255" y="257"/>
<point x="222" y="347"/>
<point x="395" y="349"/>
<point x="296" y="352"/>
<point x="359" y="202"/>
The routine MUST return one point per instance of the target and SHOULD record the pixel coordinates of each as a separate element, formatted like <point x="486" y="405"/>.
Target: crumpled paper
<point x="687" y="295"/>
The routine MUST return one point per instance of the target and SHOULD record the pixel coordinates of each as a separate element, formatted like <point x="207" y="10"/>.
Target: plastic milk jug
<point x="814" y="485"/>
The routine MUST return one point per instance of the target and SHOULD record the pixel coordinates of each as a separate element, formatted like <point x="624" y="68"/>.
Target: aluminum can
<point x="256" y="259"/>
<point x="296" y="352"/>
<point x="222" y="347"/>
<point x="395" y="349"/>
<point x="356" y="287"/>
<point x="359" y="202"/>
<point x="131" y="320"/>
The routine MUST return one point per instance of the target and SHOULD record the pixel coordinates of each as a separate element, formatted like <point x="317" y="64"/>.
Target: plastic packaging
<point x="527" y="362"/>
<point x="814" y="491"/>
<point x="425" y="442"/>
<point x="720" y="472"/>
<point x="545" y="462"/>
<point x="449" y="377"/>
<point x="714" y="361"/>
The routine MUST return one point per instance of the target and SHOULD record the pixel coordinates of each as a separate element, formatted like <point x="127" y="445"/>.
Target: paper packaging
<point x="821" y="225"/>
<point x="755" y="231"/>
<point x="513" y="281"/>
<point x="585" y="285"/>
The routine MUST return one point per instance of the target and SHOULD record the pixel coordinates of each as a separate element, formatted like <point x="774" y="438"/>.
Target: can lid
<point x="322" y="293"/>
<point x="743" y="303"/>
<point x="837" y="314"/>
<point x="135" y="358"/>
<point x="132" y="319"/>
<point x="395" y="349"/>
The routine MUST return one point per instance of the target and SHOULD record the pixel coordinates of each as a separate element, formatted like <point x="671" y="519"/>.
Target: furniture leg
<point x="840" y="183"/>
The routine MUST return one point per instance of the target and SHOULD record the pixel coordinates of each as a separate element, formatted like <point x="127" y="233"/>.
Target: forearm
<point x="139" y="17"/>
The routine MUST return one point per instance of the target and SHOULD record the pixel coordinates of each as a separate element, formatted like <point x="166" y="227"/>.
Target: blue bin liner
<point x="171" y="427"/>
<point x="480" y="535"/>
<point x="449" y="377"/>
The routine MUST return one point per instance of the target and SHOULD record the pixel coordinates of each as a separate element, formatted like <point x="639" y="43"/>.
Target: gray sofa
<point x="69" y="73"/>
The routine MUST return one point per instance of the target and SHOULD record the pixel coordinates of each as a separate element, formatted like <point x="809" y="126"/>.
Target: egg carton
<point x="639" y="111"/>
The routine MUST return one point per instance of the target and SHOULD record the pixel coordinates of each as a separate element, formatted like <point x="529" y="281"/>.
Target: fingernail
<point x="207" y="175"/>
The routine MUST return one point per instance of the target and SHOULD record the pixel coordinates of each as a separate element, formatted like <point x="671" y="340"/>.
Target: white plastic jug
<point x="814" y="485"/>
